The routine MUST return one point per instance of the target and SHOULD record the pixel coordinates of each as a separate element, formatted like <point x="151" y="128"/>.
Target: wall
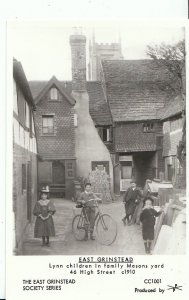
<point x="62" y="143"/>
<point x="24" y="151"/>
<point x="131" y="137"/>
<point x="172" y="135"/>
<point x="89" y="146"/>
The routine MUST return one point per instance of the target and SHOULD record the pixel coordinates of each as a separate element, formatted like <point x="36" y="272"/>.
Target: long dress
<point x="147" y="218"/>
<point x="44" y="227"/>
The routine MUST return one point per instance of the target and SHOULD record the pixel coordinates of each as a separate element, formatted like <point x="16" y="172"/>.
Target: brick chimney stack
<point x="78" y="52"/>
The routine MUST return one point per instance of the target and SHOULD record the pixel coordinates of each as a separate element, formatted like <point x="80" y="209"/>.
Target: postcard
<point x="96" y="164"/>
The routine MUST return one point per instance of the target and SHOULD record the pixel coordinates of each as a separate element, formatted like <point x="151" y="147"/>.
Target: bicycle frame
<point x="83" y="214"/>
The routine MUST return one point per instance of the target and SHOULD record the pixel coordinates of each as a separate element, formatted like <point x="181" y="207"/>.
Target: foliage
<point x="173" y="58"/>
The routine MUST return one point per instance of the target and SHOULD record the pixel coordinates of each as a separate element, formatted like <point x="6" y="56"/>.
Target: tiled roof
<point x="172" y="108"/>
<point x="98" y="107"/>
<point x="136" y="89"/>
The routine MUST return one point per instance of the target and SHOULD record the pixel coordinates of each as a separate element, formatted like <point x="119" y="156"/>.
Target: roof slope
<point x="136" y="89"/>
<point x="21" y="79"/>
<point x="172" y="108"/>
<point x="98" y="108"/>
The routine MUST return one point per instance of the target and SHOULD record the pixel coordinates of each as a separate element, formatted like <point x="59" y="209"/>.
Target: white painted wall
<point x="89" y="146"/>
<point x="22" y="137"/>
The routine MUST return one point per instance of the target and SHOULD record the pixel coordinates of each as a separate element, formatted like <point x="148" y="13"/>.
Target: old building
<point x="68" y="118"/>
<point x="135" y="91"/>
<point x="172" y="120"/>
<point x="99" y="52"/>
<point x="24" y="156"/>
<point x="91" y="152"/>
<point x="55" y="129"/>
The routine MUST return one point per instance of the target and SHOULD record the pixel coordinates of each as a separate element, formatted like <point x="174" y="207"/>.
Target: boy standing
<point x="89" y="209"/>
<point x="131" y="199"/>
<point x="148" y="218"/>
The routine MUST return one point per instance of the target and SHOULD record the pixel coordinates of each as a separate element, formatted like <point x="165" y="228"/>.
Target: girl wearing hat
<point x="147" y="218"/>
<point x="43" y="210"/>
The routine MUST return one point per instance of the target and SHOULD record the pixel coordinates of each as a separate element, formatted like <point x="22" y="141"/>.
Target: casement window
<point x="53" y="94"/>
<point x="15" y="98"/>
<point x="48" y="125"/>
<point x="148" y="127"/>
<point x="105" y="133"/>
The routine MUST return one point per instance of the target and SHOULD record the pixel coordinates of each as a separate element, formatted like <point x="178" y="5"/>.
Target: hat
<point x="133" y="181"/>
<point x="45" y="189"/>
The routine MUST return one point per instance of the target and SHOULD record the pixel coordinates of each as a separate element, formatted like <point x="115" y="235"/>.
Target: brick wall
<point x="62" y="143"/>
<point x="78" y="52"/>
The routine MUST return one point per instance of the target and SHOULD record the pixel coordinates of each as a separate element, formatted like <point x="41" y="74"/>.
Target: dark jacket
<point x="131" y="199"/>
<point x="148" y="218"/>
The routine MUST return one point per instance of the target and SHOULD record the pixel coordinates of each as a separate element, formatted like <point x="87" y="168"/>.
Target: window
<point x="47" y="125"/>
<point x="32" y="126"/>
<point x="126" y="170"/>
<point x="54" y="94"/>
<point x="23" y="177"/>
<point x="169" y="172"/>
<point x="100" y="165"/>
<point x="105" y="133"/>
<point x="148" y="127"/>
<point x="27" y="115"/>
<point x="70" y="173"/>
<point x="15" y="98"/>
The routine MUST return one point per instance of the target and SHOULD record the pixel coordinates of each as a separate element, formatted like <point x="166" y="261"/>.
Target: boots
<point x="92" y="236"/>
<point x="47" y="242"/>
<point x="146" y="247"/>
<point x="149" y="244"/>
<point x="43" y="240"/>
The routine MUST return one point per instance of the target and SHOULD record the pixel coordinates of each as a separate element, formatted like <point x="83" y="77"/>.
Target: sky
<point x="43" y="47"/>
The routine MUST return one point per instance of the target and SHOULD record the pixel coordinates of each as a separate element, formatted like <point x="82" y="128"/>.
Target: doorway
<point x="58" y="172"/>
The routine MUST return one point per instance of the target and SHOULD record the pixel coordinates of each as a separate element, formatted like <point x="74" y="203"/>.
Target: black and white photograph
<point x="99" y="139"/>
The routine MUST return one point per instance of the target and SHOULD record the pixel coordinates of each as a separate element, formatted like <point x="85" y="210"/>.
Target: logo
<point x="175" y="287"/>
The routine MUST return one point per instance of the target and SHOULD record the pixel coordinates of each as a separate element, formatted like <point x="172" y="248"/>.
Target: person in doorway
<point x="148" y="218"/>
<point x="44" y="224"/>
<point x="89" y="210"/>
<point x="131" y="198"/>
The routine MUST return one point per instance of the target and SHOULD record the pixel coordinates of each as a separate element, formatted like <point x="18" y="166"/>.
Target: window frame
<point x="52" y="93"/>
<point x="149" y="127"/>
<point x="42" y="127"/>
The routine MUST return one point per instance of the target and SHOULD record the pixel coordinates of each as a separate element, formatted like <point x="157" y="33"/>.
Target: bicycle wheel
<point x="106" y="230"/>
<point x="78" y="228"/>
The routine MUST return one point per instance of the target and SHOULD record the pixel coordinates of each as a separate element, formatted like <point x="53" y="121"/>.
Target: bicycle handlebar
<point x="96" y="200"/>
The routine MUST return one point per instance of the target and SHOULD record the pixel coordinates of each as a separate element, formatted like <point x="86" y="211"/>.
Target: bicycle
<point x="106" y="227"/>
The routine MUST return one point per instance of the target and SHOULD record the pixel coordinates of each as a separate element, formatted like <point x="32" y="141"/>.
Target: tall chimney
<point x="78" y="52"/>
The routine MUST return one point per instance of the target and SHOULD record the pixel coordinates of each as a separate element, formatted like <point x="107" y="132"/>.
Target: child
<point x="43" y="210"/>
<point x="147" y="218"/>
<point x="89" y="210"/>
